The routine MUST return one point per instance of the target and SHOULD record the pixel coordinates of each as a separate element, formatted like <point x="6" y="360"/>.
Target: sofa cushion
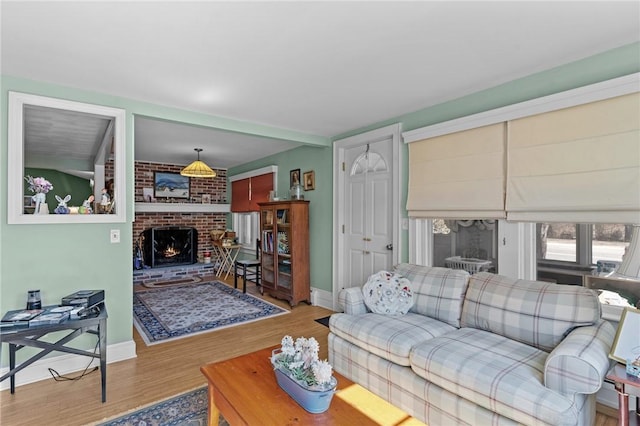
<point x="495" y="372"/>
<point x="388" y="293"/>
<point x="390" y="338"/>
<point x="406" y="390"/>
<point x="437" y="292"/>
<point x="539" y="314"/>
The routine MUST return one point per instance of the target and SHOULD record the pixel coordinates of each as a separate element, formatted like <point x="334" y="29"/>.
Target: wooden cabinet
<point x="284" y="245"/>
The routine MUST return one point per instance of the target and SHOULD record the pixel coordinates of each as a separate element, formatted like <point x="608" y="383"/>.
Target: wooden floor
<point x="161" y="371"/>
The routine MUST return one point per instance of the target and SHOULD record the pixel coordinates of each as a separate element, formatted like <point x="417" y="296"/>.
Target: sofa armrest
<point x="581" y="361"/>
<point x="351" y="300"/>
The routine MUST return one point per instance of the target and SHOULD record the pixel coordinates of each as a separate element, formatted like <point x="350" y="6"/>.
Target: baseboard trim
<point x="68" y="363"/>
<point x="322" y="298"/>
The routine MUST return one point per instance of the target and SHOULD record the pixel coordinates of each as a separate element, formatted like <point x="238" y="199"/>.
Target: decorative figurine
<point x="105" y="200"/>
<point x="87" y="205"/>
<point x="62" y="205"/>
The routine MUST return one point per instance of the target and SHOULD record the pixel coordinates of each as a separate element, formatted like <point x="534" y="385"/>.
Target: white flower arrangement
<point x="300" y="361"/>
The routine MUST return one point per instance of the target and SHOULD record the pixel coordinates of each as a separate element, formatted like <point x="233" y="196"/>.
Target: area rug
<point x="187" y="409"/>
<point x="174" y="312"/>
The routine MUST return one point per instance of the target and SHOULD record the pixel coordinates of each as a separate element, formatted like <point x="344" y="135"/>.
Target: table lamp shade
<point x="630" y="265"/>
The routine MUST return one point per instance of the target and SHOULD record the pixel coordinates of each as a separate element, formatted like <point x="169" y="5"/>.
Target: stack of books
<point x="33" y="317"/>
<point x="19" y="317"/>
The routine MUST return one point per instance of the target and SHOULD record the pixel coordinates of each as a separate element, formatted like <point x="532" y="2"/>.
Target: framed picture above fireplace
<point x="170" y="185"/>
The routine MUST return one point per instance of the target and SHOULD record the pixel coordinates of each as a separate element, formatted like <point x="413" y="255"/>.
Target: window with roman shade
<point x="459" y="175"/>
<point x="240" y="195"/>
<point x="578" y="164"/>
<point x="259" y="190"/>
<point x="247" y="193"/>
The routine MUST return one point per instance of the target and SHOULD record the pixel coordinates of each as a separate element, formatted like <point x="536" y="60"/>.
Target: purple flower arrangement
<point x="39" y="185"/>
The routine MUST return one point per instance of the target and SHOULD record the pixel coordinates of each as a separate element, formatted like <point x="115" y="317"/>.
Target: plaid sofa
<point x="478" y="350"/>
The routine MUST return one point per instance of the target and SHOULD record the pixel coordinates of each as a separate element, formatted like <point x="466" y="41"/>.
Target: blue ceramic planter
<point x="311" y="400"/>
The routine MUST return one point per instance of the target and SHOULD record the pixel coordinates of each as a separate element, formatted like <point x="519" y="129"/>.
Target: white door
<point x="368" y="232"/>
<point x="366" y="206"/>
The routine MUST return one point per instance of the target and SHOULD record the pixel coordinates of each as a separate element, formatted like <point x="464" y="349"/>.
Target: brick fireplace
<point x="203" y="222"/>
<point x="169" y="246"/>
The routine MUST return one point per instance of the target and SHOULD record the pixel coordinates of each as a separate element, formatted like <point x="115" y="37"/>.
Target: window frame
<point x="584" y="249"/>
<point x="236" y="217"/>
<point x="239" y="229"/>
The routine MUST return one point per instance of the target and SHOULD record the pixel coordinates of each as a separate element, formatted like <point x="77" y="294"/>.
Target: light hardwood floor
<point x="161" y="371"/>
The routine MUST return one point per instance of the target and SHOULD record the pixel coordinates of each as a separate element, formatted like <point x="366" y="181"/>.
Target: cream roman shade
<point x="459" y="175"/>
<point x="579" y="164"/>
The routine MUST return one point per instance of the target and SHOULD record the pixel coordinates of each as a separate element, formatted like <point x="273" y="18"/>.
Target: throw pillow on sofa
<point x="388" y="293"/>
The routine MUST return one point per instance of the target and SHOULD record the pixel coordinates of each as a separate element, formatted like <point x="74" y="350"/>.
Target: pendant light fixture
<point x="198" y="168"/>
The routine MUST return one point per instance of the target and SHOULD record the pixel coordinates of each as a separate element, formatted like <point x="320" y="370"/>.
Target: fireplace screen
<point x="170" y="246"/>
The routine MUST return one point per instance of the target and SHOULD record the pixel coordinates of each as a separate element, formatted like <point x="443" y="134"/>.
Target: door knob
<point x="366" y="252"/>
<point x="389" y="246"/>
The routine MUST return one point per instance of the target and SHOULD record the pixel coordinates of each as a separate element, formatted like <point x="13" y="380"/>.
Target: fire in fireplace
<point x="170" y="246"/>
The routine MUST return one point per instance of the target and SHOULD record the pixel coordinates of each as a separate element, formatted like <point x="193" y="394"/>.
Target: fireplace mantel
<point x="181" y="208"/>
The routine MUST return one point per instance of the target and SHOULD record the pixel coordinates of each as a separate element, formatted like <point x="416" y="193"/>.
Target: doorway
<point x="366" y="206"/>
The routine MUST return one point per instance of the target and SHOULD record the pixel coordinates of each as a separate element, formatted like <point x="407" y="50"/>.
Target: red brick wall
<point x="203" y="222"/>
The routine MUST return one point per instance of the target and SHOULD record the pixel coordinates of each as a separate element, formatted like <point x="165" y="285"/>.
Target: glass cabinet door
<point x="283" y="227"/>
<point x="267" y="248"/>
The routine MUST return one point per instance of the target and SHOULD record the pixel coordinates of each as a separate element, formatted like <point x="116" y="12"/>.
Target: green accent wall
<point x="60" y="259"/>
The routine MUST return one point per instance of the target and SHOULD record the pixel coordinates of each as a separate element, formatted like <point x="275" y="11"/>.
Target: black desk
<point x="20" y="337"/>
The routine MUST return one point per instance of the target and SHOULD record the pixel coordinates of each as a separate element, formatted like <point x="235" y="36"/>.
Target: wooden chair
<point x="250" y="270"/>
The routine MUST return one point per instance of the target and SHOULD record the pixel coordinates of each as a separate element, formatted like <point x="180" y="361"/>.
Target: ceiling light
<point x="198" y="168"/>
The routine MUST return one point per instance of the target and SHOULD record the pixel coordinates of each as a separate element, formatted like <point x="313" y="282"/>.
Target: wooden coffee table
<point x="245" y="391"/>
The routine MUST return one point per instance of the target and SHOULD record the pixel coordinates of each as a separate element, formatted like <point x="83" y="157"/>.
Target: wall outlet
<point x="405" y="223"/>
<point x="114" y="235"/>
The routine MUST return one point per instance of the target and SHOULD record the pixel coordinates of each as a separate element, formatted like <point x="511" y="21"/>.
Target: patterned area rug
<point x="187" y="409"/>
<point x="163" y="314"/>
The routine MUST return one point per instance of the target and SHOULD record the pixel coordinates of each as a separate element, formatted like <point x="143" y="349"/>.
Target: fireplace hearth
<point x="169" y="246"/>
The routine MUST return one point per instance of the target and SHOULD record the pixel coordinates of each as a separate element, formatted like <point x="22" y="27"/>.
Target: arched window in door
<point x="368" y="162"/>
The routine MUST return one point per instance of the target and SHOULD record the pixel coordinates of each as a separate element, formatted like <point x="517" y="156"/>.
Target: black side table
<point x="20" y="337"/>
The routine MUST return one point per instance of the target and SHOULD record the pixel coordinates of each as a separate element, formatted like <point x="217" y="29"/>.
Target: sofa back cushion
<point x="437" y="292"/>
<point x="537" y="313"/>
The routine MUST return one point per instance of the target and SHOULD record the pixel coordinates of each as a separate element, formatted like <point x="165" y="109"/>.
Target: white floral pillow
<point x="388" y="293"/>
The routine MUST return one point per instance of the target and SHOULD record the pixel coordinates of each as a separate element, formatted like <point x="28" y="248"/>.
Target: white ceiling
<point x="318" y="68"/>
